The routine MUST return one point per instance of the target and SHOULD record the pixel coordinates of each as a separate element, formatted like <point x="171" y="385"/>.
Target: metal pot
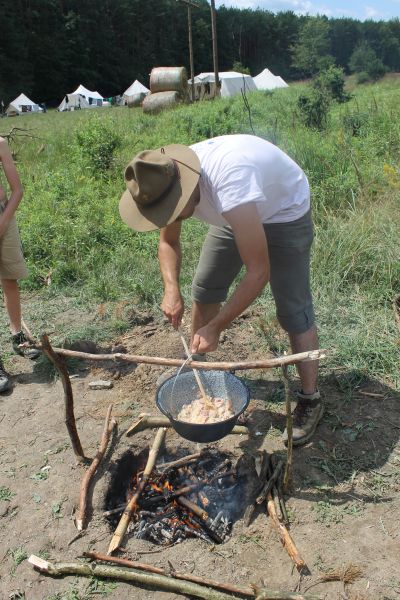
<point x="182" y="389"/>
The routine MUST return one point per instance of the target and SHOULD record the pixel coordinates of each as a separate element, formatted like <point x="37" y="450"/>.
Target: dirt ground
<point x="344" y="503"/>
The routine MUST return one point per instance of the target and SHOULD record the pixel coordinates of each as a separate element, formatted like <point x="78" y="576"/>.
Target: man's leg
<point x="308" y="370"/>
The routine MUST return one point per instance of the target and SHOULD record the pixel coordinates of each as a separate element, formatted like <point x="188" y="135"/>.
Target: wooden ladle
<point x="206" y="398"/>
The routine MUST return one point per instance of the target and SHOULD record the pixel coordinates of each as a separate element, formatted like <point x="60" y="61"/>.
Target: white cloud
<point x="371" y="12"/>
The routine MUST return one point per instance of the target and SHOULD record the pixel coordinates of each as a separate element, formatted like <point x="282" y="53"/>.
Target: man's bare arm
<point x="169" y="256"/>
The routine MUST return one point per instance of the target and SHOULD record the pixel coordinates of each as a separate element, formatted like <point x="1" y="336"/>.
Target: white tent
<point x="21" y="105"/>
<point x="73" y="102"/>
<point x="93" y="98"/>
<point x="231" y="84"/>
<point x="136" y="90"/>
<point x="268" y="81"/>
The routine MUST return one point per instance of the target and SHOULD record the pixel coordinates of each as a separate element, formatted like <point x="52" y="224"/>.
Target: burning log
<point x="132" y="505"/>
<point x="161" y="582"/>
<point x="87" y="478"/>
<point x="60" y="366"/>
<point x="284" y="535"/>
<point x="226" y="587"/>
<point x="203" y="516"/>
<point x="146" y="421"/>
<point x="180" y="462"/>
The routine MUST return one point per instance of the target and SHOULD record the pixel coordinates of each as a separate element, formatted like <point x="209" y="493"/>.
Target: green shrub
<point x="332" y="81"/>
<point x="314" y="108"/>
<point x="96" y="142"/>
<point x="362" y="77"/>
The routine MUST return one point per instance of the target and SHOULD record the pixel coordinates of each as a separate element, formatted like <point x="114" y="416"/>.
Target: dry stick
<point x="180" y="462"/>
<point x="60" y="366"/>
<point x="81" y="516"/>
<point x="133" y="502"/>
<point x="226" y="587"/>
<point x="153" y="580"/>
<point x="270" y="363"/>
<point x="289" y="429"/>
<point x="146" y="421"/>
<point x="270" y="483"/>
<point x="284" y="535"/>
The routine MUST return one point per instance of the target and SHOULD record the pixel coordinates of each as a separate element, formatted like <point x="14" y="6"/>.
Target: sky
<point x="355" y="9"/>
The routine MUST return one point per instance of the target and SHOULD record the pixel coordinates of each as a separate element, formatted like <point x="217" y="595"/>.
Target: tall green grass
<point x="71" y="227"/>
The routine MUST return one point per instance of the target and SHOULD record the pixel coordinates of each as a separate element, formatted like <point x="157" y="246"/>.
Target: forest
<point x="48" y="47"/>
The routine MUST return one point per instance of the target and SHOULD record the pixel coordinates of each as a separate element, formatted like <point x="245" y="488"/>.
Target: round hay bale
<point x="165" y="79"/>
<point x="154" y="103"/>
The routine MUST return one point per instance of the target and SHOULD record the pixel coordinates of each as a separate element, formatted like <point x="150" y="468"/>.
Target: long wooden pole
<point x="60" y="366"/>
<point x="225" y="587"/>
<point x="145" y="421"/>
<point x="284" y="535"/>
<point x="268" y="363"/>
<point x="81" y="516"/>
<point x="215" y="47"/>
<point x="132" y="504"/>
<point x="155" y="581"/>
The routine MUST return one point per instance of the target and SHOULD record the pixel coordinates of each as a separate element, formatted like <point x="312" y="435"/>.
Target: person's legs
<point x="12" y="302"/>
<point x="307" y="370"/>
<point x="289" y="247"/>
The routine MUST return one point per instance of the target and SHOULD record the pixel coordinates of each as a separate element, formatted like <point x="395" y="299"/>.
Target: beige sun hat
<point x="159" y="185"/>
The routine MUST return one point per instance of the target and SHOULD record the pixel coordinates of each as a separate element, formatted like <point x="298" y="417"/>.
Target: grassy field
<point x="73" y="177"/>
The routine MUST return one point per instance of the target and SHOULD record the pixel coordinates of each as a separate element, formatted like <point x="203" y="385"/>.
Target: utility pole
<point x="215" y="47"/>
<point x="190" y="4"/>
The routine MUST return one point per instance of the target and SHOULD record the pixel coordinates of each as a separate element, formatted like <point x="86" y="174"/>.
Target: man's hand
<point x="173" y="307"/>
<point x="205" y="339"/>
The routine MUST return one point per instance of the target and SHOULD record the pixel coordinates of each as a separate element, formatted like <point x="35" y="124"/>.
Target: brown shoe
<point x="306" y="416"/>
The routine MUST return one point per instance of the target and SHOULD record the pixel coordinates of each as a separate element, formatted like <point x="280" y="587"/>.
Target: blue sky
<point x="356" y="9"/>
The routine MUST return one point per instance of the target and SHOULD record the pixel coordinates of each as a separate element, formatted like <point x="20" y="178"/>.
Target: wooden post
<point x="215" y="47"/>
<point x="60" y="366"/>
<point x="190" y="4"/>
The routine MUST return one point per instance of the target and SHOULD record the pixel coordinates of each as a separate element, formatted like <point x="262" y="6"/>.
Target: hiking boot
<point x="5" y="382"/>
<point x="22" y="346"/>
<point x="173" y="371"/>
<point x="306" y="416"/>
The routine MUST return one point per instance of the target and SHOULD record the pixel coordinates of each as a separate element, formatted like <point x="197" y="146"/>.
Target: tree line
<point x="48" y="47"/>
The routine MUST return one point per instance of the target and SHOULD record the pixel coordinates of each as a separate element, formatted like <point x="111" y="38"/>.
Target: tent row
<point x="231" y="83"/>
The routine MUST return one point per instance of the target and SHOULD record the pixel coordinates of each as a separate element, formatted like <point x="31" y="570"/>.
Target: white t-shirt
<point x="236" y="169"/>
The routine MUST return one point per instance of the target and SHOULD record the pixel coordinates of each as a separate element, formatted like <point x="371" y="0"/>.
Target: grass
<point x="6" y="494"/>
<point x="73" y="236"/>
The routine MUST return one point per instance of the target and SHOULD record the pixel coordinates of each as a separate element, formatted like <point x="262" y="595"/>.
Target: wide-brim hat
<point x="159" y="185"/>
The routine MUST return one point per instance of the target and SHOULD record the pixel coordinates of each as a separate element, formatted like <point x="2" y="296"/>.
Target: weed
<point x="18" y="556"/>
<point x="328" y="513"/>
<point x="6" y="494"/>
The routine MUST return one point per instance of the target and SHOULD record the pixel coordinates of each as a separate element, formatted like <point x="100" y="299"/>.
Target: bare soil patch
<point x="344" y="503"/>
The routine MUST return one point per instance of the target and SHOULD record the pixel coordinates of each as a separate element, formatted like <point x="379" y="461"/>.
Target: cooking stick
<point x="206" y="399"/>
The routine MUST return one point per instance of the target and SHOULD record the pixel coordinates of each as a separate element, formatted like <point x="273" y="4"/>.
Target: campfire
<point x="195" y="496"/>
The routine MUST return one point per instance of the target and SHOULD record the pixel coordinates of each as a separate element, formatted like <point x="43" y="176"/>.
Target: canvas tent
<point x="136" y="91"/>
<point x="73" y="102"/>
<point x="268" y="81"/>
<point x="81" y="98"/>
<point x="22" y="105"/>
<point x="231" y="84"/>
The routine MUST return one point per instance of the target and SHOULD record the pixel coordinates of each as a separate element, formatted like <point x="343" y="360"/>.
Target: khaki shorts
<point x="289" y="246"/>
<point x="12" y="263"/>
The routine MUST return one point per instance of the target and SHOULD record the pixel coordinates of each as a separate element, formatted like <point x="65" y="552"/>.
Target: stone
<point x="101" y="384"/>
